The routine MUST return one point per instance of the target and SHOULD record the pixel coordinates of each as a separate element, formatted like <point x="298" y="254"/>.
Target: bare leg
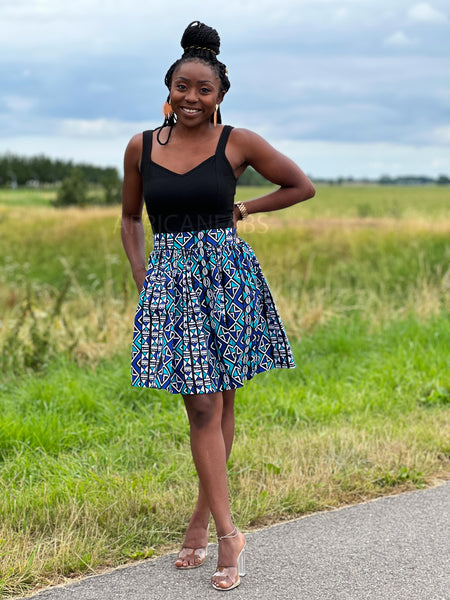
<point x="197" y="532"/>
<point x="201" y="512"/>
<point x="209" y="454"/>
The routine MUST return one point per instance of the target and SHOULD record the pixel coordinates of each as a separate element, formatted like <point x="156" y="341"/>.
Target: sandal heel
<point x="241" y="563"/>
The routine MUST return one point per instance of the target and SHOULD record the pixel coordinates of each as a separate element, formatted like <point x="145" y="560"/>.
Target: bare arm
<point x="248" y="148"/>
<point x="132" y="229"/>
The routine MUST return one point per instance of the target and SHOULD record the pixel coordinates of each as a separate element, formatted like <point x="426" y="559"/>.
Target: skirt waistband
<point x="190" y="239"/>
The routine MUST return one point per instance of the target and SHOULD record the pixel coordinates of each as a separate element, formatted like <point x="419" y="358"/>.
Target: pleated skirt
<point x="206" y="320"/>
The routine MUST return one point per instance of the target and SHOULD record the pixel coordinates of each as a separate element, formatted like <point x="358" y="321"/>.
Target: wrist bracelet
<point x="243" y="210"/>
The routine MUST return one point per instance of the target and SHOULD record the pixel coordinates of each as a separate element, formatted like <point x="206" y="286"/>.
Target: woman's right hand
<point x="139" y="278"/>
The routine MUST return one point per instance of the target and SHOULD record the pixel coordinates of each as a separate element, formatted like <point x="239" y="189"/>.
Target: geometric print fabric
<point x="206" y="320"/>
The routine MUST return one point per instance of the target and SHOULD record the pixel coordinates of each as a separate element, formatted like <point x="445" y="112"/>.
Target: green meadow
<point x="94" y="473"/>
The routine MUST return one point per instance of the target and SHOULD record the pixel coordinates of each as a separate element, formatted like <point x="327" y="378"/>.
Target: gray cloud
<point x="345" y="72"/>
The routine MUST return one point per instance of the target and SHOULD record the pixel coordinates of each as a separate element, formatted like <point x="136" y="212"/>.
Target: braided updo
<point x="199" y="42"/>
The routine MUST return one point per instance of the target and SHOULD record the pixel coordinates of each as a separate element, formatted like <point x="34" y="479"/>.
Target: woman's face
<point x="194" y="92"/>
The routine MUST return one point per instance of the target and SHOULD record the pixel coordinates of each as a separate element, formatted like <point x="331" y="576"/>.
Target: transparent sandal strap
<point x="232" y="534"/>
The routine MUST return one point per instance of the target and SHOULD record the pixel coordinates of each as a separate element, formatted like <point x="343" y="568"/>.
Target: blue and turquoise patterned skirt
<point x="206" y="320"/>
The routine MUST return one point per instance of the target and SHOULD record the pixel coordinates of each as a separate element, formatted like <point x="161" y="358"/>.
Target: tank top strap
<point x="147" y="140"/>
<point x="223" y="139"/>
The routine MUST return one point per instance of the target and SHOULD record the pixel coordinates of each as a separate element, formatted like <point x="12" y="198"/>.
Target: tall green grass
<point x="97" y="473"/>
<point x="80" y="300"/>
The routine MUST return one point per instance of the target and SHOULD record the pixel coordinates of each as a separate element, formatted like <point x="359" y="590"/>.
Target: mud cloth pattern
<point x="206" y="320"/>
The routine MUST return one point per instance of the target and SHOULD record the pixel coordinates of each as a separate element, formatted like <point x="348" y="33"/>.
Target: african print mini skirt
<point x="206" y="320"/>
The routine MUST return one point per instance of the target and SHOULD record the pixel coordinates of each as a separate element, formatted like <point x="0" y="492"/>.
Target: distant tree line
<point x="252" y="177"/>
<point x="75" y="180"/>
<point x="20" y="170"/>
<point x="80" y="184"/>
<point x="387" y="180"/>
<point x="40" y="170"/>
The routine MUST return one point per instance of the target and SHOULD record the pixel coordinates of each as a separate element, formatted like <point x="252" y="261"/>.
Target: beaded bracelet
<point x="243" y="210"/>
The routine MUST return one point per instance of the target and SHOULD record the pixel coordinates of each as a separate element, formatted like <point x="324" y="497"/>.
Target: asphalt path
<point x="392" y="548"/>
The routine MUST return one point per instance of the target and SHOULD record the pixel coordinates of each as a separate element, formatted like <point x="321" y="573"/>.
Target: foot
<point x="193" y="551"/>
<point x="226" y="576"/>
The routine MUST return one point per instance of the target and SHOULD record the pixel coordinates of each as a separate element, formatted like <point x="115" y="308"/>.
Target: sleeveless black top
<point x="202" y="198"/>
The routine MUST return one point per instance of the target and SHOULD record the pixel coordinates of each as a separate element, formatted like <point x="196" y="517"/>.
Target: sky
<point x="344" y="87"/>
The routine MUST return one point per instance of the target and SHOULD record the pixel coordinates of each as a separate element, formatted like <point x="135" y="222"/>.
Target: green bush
<point x="112" y="187"/>
<point x="73" y="190"/>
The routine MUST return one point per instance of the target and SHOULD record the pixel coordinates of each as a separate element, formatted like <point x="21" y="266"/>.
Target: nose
<point x="191" y="95"/>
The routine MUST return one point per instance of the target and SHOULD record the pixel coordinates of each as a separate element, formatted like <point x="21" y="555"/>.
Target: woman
<point x="206" y="321"/>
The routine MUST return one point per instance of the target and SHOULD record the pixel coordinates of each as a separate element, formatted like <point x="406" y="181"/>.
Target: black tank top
<point x="202" y="198"/>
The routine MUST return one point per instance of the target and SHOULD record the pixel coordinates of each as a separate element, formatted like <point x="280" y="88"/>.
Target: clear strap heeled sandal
<point x="220" y="571"/>
<point x="194" y="557"/>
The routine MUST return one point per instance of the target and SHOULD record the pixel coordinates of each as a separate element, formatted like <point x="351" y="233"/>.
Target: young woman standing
<point x="206" y="321"/>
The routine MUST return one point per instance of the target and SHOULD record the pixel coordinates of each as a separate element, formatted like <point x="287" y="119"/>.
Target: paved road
<point x="392" y="548"/>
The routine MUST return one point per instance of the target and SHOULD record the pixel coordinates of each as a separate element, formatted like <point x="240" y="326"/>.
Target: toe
<point x="223" y="580"/>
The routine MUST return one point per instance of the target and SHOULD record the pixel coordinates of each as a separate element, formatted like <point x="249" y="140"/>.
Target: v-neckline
<point x="193" y="168"/>
<point x="186" y="172"/>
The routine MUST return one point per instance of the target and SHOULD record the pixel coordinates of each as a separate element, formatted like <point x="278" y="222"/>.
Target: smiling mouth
<point x="190" y="111"/>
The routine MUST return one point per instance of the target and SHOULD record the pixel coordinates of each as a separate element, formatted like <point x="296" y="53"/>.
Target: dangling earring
<point x="215" y="115"/>
<point x="167" y="109"/>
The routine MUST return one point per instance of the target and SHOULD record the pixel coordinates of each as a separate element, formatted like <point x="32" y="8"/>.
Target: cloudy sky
<point x="344" y="87"/>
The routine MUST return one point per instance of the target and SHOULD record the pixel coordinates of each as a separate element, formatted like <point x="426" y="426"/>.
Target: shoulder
<point x="247" y="139"/>
<point x="135" y="143"/>
<point x="250" y="144"/>
<point x="133" y="151"/>
<point x="245" y="136"/>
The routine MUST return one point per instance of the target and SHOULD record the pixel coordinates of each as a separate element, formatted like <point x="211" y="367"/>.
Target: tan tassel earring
<point x="167" y="109"/>
<point x="215" y="115"/>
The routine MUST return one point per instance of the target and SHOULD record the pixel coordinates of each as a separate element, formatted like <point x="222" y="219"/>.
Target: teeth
<point x="191" y="110"/>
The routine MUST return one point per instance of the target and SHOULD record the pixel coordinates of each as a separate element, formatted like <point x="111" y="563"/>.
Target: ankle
<point x="226" y="536"/>
<point x="199" y="520"/>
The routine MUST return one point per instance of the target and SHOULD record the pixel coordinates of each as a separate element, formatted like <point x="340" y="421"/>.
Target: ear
<point x="220" y="97"/>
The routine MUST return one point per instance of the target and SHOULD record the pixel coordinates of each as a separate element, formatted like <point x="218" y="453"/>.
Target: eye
<point x="205" y="90"/>
<point x="180" y="86"/>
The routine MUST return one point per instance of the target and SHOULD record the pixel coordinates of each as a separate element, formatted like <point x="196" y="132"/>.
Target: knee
<point x="202" y="410"/>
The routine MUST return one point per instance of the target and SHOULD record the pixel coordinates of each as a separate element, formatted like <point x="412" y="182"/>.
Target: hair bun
<point x="198" y="38"/>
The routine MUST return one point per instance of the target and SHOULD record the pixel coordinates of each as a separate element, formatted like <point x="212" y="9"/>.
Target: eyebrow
<point x="200" y="81"/>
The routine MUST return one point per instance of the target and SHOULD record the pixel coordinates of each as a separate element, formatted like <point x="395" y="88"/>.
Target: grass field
<point x="335" y="201"/>
<point x="95" y="473"/>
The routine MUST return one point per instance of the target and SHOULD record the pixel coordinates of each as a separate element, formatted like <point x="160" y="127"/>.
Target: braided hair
<point x="202" y="43"/>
